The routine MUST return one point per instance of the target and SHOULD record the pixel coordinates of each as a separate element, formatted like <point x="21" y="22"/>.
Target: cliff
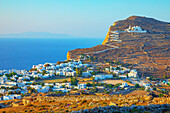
<point x="148" y="52"/>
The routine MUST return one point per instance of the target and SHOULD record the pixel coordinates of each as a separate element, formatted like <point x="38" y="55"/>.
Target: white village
<point x="14" y="84"/>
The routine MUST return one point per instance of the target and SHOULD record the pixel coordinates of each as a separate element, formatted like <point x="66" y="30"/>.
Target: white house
<point x="59" y="73"/>
<point x="81" y="86"/>
<point x="107" y="69"/>
<point x="37" y="87"/>
<point x="60" y="85"/>
<point x="86" y="74"/>
<point x="3" y="79"/>
<point x="2" y="91"/>
<point x="21" y="84"/>
<point x="148" y="88"/>
<point x="48" y="84"/>
<point x="11" y="83"/>
<point x="10" y="97"/>
<point x="116" y="72"/>
<point x="102" y="77"/>
<point x="100" y="87"/>
<point x="46" y="76"/>
<point x="64" y="90"/>
<point x="133" y="73"/>
<point x="124" y="85"/>
<point x="44" y="89"/>
<point x="123" y="76"/>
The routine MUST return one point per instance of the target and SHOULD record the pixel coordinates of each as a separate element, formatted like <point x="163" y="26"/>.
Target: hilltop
<point x="148" y="52"/>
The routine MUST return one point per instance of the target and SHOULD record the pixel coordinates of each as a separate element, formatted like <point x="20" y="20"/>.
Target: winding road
<point x="114" y="38"/>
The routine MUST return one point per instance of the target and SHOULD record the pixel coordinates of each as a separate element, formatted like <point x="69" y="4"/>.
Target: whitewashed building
<point x="133" y="73"/>
<point x="136" y="29"/>
<point x="102" y="77"/>
<point x="81" y="86"/>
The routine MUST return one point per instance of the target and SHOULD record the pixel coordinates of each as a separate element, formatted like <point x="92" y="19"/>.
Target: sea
<point x="22" y="53"/>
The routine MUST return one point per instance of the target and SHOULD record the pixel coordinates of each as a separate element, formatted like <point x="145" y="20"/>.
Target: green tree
<point x="117" y="68"/>
<point x="74" y="81"/>
<point x="15" y="92"/>
<point x="165" y="77"/>
<point x="114" y="75"/>
<point x="88" y="84"/>
<point x="90" y="58"/>
<point x="137" y="86"/>
<point x="110" y="85"/>
<point x="117" y="85"/>
<point x="36" y="91"/>
<point x="95" y="58"/>
<point x="127" y="76"/>
<point x="98" y="69"/>
<point x="79" y="71"/>
<point x="93" y="73"/>
<point x="36" y="78"/>
<point x="64" y="81"/>
<point x="46" y="65"/>
<point x="63" y="86"/>
<point x="94" y="89"/>
<point x="161" y="95"/>
<point x="43" y="72"/>
<point x="154" y="88"/>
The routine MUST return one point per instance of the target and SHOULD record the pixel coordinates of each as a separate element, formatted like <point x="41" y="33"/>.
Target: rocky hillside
<point x="148" y="52"/>
<point x="132" y="102"/>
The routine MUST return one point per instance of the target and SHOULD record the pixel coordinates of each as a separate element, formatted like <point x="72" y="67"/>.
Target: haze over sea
<point x="22" y="53"/>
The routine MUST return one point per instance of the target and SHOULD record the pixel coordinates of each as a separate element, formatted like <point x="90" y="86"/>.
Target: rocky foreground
<point x="135" y="101"/>
<point x="164" y="108"/>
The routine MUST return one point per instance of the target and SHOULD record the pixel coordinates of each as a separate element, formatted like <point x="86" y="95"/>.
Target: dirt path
<point x="113" y="47"/>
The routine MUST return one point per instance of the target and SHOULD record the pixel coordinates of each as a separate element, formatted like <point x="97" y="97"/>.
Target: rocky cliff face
<point x="148" y="52"/>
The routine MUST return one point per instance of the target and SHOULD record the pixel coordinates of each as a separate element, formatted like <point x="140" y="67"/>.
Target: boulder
<point x="15" y="104"/>
<point x="113" y="104"/>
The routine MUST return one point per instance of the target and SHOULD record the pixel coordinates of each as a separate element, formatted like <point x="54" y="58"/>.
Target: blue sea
<point x="22" y="53"/>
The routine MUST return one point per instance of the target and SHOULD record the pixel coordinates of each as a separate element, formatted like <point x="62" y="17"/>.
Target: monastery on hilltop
<point x="135" y="29"/>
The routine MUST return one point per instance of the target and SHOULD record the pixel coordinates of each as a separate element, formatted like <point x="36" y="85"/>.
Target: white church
<point x="135" y="29"/>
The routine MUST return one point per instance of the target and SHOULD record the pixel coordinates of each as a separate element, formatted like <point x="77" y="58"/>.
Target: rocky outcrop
<point x="68" y="55"/>
<point x="106" y="38"/>
<point x="136" y="109"/>
<point x="26" y="102"/>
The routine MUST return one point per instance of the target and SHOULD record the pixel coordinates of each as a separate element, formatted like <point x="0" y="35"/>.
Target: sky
<point x="80" y="18"/>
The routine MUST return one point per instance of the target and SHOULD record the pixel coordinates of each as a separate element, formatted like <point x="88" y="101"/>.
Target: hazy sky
<point x="84" y="18"/>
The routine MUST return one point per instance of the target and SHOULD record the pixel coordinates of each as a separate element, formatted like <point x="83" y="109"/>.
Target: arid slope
<point x="148" y="52"/>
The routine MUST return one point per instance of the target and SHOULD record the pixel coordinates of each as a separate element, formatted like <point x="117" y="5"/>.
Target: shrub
<point x="84" y="101"/>
<point x="74" y="81"/>
<point x="161" y="95"/>
<point x="137" y="86"/>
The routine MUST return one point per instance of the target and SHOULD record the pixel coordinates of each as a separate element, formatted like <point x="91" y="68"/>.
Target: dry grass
<point x="63" y="104"/>
<point x="54" y="80"/>
<point x="116" y="82"/>
<point x="137" y="92"/>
